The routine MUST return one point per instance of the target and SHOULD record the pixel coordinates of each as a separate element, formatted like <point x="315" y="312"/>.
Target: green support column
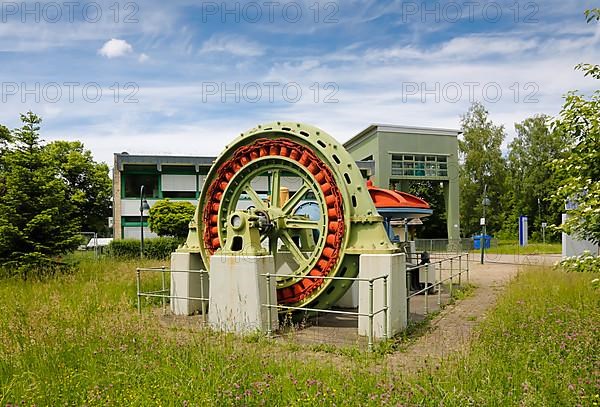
<point x="451" y="197"/>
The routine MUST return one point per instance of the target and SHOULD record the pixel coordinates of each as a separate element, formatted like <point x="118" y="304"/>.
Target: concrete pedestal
<point x="187" y="284"/>
<point x="237" y="292"/>
<point x="375" y="265"/>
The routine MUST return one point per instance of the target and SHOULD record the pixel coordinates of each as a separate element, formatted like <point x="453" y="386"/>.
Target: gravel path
<point x="452" y="329"/>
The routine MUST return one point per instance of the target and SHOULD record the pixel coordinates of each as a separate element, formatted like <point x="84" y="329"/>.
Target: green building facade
<point x="397" y="156"/>
<point x="173" y="177"/>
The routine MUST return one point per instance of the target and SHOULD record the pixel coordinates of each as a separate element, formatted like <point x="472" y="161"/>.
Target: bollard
<point x="269" y="324"/>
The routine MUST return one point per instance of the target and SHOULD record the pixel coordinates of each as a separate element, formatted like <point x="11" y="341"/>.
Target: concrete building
<point x="174" y="177"/>
<point x="392" y="156"/>
<point x="400" y="155"/>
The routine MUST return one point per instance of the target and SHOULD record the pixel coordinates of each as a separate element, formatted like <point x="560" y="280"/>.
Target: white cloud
<point x="232" y="44"/>
<point x="143" y="58"/>
<point x="115" y="48"/>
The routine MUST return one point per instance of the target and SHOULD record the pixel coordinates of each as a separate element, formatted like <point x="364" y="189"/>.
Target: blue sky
<point x="196" y="74"/>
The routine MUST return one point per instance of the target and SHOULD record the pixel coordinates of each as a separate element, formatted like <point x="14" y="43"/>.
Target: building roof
<point x="160" y="160"/>
<point x="393" y="128"/>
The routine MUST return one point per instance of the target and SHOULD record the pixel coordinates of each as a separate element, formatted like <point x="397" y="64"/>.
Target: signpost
<point x="522" y="231"/>
<point x="544" y="226"/>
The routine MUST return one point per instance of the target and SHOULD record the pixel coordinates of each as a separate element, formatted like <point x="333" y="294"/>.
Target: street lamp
<point x="485" y="202"/>
<point x="143" y="207"/>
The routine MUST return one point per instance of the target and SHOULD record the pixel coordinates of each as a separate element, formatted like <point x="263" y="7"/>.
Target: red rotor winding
<point x="330" y="255"/>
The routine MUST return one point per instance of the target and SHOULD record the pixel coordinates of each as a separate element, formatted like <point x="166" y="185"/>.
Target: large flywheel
<point x="309" y="202"/>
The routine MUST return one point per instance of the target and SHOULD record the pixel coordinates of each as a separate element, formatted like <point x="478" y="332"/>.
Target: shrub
<point x="171" y="218"/>
<point x="158" y="248"/>
<point x="586" y="263"/>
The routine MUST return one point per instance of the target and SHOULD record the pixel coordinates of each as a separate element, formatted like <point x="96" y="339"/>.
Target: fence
<point x="454" y="273"/>
<point x="440" y="279"/>
<point x="456" y="246"/>
<point x="164" y="292"/>
<point x="371" y="314"/>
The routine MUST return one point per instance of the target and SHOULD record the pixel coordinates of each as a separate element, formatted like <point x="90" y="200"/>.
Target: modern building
<point x="391" y="156"/>
<point x="401" y="155"/>
<point x="174" y="177"/>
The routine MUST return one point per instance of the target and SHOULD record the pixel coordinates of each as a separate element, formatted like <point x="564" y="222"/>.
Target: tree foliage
<point x="88" y="183"/>
<point x="434" y="226"/>
<point x="531" y="180"/>
<point x="48" y="193"/>
<point x="171" y="218"/>
<point x="36" y="220"/>
<point x="579" y="170"/>
<point x="482" y="164"/>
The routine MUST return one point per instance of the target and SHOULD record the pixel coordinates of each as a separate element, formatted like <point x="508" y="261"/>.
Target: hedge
<point x="159" y="248"/>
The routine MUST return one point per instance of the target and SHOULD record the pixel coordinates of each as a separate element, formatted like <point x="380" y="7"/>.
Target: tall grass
<point x="77" y="339"/>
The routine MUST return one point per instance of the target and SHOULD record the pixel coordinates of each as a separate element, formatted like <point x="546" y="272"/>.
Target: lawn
<point x="512" y="247"/>
<point x="78" y="340"/>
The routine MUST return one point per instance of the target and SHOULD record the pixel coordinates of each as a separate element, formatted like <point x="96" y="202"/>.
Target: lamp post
<point x="485" y="202"/>
<point x="143" y="207"/>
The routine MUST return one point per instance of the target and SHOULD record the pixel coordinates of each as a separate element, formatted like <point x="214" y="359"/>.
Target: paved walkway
<point x="452" y="330"/>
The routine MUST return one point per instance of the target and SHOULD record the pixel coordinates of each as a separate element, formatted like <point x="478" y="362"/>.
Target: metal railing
<point x="371" y="314"/>
<point x="164" y="292"/>
<point x="456" y="246"/>
<point x="440" y="280"/>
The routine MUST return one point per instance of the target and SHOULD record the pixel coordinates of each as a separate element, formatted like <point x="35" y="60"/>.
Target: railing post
<point x="451" y="277"/>
<point x="269" y="324"/>
<point x="164" y="299"/>
<point x="440" y="287"/>
<point x="203" y="301"/>
<point x="407" y="298"/>
<point x="137" y="280"/>
<point x="468" y="281"/>
<point x="370" y="344"/>
<point x="460" y="270"/>
<point x="427" y="296"/>
<point x="385" y="308"/>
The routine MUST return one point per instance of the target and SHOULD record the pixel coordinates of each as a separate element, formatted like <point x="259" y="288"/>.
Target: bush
<point x="171" y="218"/>
<point x="158" y="248"/>
<point x="585" y="263"/>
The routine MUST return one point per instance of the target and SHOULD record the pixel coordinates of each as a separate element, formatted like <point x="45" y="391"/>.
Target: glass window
<point x="179" y="194"/>
<point x="419" y="165"/>
<point x="133" y="183"/>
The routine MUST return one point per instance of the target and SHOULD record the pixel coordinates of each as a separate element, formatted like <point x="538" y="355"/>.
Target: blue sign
<point x="523" y="231"/>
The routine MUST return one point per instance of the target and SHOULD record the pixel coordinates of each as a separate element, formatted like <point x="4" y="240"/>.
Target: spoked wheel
<point x="301" y="246"/>
<point x="295" y="241"/>
<point x="319" y="230"/>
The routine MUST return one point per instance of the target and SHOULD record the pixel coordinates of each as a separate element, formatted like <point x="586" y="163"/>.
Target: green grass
<point x="512" y="247"/>
<point x="78" y="340"/>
